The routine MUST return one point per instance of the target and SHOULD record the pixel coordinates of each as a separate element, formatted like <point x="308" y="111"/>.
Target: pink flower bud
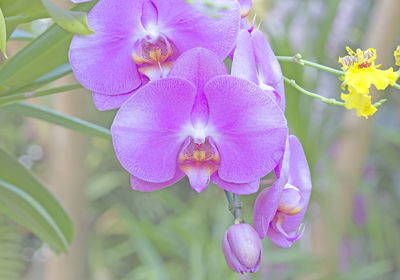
<point x="242" y="248"/>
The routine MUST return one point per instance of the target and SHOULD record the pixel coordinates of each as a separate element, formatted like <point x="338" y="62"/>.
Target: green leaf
<point x="17" y="12"/>
<point x="10" y="99"/>
<point x="3" y="34"/>
<point x="42" y="55"/>
<point x="24" y="198"/>
<point x="51" y="116"/>
<point x="72" y="21"/>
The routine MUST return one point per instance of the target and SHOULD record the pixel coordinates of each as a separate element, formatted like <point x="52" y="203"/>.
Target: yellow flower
<point x="397" y="55"/>
<point x="359" y="101"/>
<point x="361" y="71"/>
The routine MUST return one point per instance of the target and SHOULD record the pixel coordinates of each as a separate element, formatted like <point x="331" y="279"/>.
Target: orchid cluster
<point x="182" y="113"/>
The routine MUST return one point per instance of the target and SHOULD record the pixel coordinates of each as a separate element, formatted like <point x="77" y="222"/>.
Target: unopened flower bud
<point x="242" y="248"/>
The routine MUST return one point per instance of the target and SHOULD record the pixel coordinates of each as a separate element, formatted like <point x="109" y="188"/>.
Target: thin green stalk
<point x="329" y="101"/>
<point x="299" y="60"/>
<point x="5" y="100"/>
<point x="228" y="196"/>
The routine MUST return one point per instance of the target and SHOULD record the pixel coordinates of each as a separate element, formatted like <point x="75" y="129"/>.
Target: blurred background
<point x="353" y="221"/>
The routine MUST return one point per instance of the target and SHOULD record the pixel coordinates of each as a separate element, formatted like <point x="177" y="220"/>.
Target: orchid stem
<point x="329" y="101"/>
<point x="228" y="196"/>
<point x="299" y="60"/>
<point x="235" y="207"/>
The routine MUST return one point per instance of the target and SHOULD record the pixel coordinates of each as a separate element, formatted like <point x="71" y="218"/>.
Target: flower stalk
<point x="235" y="207"/>
<point x="329" y="101"/>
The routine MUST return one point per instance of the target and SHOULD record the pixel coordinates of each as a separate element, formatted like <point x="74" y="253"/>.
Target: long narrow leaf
<point x="3" y="34"/>
<point x="51" y="116"/>
<point x="72" y="21"/>
<point x="9" y="99"/>
<point x="25" y="199"/>
<point x="38" y="58"/>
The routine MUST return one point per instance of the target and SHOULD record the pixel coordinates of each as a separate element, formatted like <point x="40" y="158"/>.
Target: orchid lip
<point x="198" y="161"/>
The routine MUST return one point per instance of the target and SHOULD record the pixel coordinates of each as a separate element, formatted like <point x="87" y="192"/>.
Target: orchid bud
<point x="242" y="248"/>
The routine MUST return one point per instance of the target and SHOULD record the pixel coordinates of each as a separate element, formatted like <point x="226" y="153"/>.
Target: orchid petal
<point x="102" y="61"/>
<point x="268" y="66"/>
<point x="144" y="186"/>
<point x="267" y="202"/>
<point x="241" y="189"/>
<point x="109" y="102"/>
<point x="188" y="27"/>
<point x="149" y="14"/>
<point x="147" y="130"/>
<point x="243" y="63"/>
<point x="250" y="129"/>
<point x="300" y="177"/>
<point x="198" y="65"/>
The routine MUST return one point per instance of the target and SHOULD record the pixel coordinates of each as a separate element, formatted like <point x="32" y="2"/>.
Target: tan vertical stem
<point x="354" y="141"/>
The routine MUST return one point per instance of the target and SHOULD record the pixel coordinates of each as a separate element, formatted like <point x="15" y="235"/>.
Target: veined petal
<point x="102" y="61"/>
<point x="198" y="65"/>
<point x="147" y="130"/>
<point x="144" y="186"/>
<point x="244" y="63"/>
<point x="268" y="67"/>
<point x="149" y="14"/>
<point x="188" y="27"/>
<point x="241" y="189"/>
<point x="109" y="102"/>
<point x="250" y="129"/>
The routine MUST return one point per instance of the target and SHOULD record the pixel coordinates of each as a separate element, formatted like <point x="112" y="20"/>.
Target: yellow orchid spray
<point x="360" y="73"/>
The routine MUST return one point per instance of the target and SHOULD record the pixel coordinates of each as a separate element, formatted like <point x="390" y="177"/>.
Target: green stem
<point x="5" y="100"/>
<point x="228" y="196"/>
<point x="235" y="207"/>
<point x="329" y="101"/>
<point x="298" y="59"/>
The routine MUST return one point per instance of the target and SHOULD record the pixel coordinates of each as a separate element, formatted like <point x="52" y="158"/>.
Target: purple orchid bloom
<point x="137" y="41"/>
<point x="202" y="123"/>
<point x="242" y="248"/>
<point x="279" y="210"/>
<point x="255" y="61"/>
